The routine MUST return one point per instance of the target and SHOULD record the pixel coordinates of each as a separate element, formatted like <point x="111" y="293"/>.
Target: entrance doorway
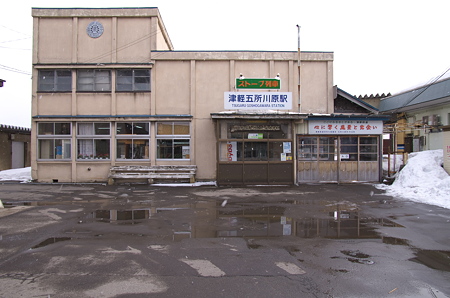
<point x="255" y="152"/>
<point x="338" y="158"/>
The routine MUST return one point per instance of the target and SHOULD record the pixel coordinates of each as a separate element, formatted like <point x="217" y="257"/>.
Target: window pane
<point x="276" y="150"/>
<point x="46" y="80"/>
<point x="140" y="149"/>
<point x="368" y="157"/>
<point x="141" y="128"/>
<point x="102" y="128"/>
<point x="255" y="151"/>
<point x="164" y="149"/>
<point x="368" y="140"/>
<point x="181" y="129"/>
<point x="85" y="129"/>
<point x="102" y="149"/>
<point x="164" y="129"/>
<point x="45" y="129"/>
<point x="46" y="149"/>
<point x="63" y="80"/>
<point x="85" y="149"/>
<point x="181" y="149"/>
<point x="62" y="128"/>
<point x="124" y="149"/>
<point x="124" y="128"/>
<point x="368" y="149"/>
<point x="125" y="73"/>
<point x="142" y="73"/>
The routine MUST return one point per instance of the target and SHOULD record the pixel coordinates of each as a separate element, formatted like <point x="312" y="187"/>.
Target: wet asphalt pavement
<point x="323" y="240"/>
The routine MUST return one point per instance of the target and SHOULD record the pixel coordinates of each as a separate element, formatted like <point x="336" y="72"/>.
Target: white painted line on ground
<point x="204" y="267"/>
<point x="290" y="268"/>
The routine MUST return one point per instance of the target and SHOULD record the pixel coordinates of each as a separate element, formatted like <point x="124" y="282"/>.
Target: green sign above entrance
<point x="258" y="83"/>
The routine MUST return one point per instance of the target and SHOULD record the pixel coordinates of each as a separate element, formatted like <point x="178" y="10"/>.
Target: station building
<point x="109" y="89"/>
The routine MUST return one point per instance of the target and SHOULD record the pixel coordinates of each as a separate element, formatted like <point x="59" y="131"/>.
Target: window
<point x="133" y="80"/>
<point x="93" y="140"/>
<point x="90" y="80"/>
<point x="173" y="140"/>
<point x="54" y="140"/>
<point x="55" y="81"/>
<point x="133" y="140"/>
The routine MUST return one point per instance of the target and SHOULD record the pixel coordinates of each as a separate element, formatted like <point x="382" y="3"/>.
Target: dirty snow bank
<point x="21" y="174"/>
<point x="422" y="180"/>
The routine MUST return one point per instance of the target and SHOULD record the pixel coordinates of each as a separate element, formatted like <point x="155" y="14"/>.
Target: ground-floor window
<point x="54" y="140"/>
<point x="113" y="140"/>
<point x="344" y="148"/>
<point x="132" y="149"/>
<point x="54" y="149"/>
<point x="173" y="140"/>
<point x="93" y="140"/>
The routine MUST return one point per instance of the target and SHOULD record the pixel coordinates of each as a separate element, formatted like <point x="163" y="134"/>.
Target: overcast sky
<point x="379" y="46"/>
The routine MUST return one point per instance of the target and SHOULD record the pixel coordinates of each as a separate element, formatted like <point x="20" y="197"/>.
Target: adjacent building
<point x="420" y="119"/>
<point x="14" y="147"/>
<point x="109" y="89"/>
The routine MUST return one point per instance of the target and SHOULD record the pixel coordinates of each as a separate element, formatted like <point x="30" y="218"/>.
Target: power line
<point x="7" y="68"/>
<point x="425" y="89"/>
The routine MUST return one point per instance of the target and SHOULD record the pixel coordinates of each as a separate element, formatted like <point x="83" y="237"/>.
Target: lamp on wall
<point x="278" y="76"/>
<point x="241" y="77"/>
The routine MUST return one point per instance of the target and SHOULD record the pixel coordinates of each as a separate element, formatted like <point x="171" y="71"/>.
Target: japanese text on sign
<point x="359" y="127"/>
<point x="258" y="100"/>
<point x="258" y="84"/>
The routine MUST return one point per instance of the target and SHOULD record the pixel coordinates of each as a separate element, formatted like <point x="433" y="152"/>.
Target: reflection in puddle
<point x="436" y="259"/>
<point x="51" y="241"/>
<point x="134" y="216"/>
<point x="209" y="219"/>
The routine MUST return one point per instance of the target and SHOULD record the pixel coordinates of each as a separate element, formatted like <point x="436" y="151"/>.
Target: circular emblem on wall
<point x="94" y="29"/>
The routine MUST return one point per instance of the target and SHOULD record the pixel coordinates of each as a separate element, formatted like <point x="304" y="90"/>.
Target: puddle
<point x="134" y="216"/>
<point x="357" y="257"/>
<point x="395" y="241"/>
<point x="213" y="219"/>
<point x="51" y="241"/>
<point x="435" y="259"/>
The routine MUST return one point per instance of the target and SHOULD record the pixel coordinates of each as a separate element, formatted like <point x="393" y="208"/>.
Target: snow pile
<point x="422" y="180"/>
<point x="392" y="163"/>
<point x="22" y="175"/>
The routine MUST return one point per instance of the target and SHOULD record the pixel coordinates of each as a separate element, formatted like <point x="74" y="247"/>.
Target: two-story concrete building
<point x="109" y="89"/>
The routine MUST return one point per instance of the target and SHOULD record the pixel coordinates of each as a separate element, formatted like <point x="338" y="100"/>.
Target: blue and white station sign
<point x="258" y="100"/>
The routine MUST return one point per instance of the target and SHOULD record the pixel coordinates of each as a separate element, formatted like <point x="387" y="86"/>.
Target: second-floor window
<point x="133" y="80"/>
<point x="93" y="80"/>
<point x="55" y="80"/>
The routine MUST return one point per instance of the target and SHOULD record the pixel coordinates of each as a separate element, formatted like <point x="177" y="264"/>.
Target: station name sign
<point x="350" y="127"/>
<point x="258" y="83"/>
<point x="258" y="100"/>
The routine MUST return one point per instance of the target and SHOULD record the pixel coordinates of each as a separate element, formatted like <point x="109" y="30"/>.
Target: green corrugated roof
<point x="424" y="96"/>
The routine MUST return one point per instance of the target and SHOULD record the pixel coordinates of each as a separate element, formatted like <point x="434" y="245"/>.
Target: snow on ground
<point x="421" y="180"/>
<point x="22" y="175"/>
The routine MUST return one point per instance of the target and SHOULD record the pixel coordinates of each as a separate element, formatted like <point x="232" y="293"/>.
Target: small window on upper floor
<point x="55" y="80"/>
<point x="93" y="80"/>
<point x="133" y="80"/>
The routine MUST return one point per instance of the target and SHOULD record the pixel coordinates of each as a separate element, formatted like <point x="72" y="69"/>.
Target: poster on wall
<point x="350" y="127"/>
<point x="258" y="100"/>
<point x="231" y="151"/>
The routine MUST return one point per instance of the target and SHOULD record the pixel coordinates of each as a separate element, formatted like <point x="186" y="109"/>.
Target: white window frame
<point x="131" y="83"/>
<point x="65" y="139"/>
<point x="56" y="80"/>
<point x="91" y="147"/>
<point x="93" y="80"/>
<point x="132" y="138"/>
<point x="185" y="153"/>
